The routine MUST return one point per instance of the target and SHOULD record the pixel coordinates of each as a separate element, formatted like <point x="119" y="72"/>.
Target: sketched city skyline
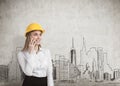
<point x="94" y="64"/>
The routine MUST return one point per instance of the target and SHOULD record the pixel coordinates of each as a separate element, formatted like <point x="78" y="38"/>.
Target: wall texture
<point x="98" y="21"/>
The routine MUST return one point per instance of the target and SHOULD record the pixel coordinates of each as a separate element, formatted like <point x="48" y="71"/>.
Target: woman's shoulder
<point x="45" y="49"/>
<point x="20" y="53"/>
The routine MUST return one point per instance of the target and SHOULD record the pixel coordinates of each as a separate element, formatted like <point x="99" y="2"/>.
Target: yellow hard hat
<point x="34" y="26"/>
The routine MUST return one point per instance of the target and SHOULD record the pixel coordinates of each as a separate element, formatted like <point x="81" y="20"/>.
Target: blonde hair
<point x="26" y="45"/>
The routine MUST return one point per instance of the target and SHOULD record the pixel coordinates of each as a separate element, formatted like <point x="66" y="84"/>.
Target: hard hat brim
<point x="34" y="30"/>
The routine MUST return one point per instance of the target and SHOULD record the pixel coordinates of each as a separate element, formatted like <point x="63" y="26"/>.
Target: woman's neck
<point x="36" y="48"/>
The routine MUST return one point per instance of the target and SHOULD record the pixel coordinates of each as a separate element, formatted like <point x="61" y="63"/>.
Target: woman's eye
<point x="35" y="34"/>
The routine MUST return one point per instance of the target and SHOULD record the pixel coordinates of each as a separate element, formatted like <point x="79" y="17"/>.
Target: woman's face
<point x="36" y="35"/>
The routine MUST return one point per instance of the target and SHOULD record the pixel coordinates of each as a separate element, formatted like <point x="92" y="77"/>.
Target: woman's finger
<point x="34" y="42"/>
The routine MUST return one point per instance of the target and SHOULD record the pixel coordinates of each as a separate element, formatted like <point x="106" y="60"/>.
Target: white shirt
<point x="38" y="65"/>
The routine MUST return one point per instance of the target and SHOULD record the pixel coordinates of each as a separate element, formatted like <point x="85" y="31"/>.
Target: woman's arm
<point x="50" y="70"/>
<point x="27" y="62"/>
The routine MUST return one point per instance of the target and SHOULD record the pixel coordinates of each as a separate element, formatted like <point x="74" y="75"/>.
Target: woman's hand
<point x="32" y="44"/>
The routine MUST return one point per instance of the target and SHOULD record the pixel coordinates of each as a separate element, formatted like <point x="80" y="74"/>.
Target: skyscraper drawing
<point x="73" y="53"/>
<point x="84" y="61"/>
<point x="100" y="60"/>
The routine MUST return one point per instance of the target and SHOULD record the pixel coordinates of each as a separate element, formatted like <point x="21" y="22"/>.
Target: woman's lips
<point x="38" y="41"/>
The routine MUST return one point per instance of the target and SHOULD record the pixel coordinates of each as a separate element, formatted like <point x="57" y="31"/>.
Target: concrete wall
<point x="97" y="20"/>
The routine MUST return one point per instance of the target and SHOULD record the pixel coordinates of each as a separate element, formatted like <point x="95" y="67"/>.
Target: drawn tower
<point x="73" y="53"/>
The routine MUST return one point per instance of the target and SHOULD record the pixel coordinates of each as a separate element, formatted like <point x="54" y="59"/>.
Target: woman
<point x="35" y="61"/>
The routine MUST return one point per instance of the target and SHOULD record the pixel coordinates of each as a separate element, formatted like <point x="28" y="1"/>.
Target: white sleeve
<point x="26" y="62"/>
<point x="50" y="70"/>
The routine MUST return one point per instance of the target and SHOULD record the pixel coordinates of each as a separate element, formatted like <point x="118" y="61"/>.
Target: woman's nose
<point x="38" y="37"/>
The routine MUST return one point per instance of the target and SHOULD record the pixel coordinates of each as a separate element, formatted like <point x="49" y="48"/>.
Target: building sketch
<point x="15" y="73"/>
<point x="10" y="72"/>
<point x="95" y="62"/>
<point x="93" y="66"/>
<point x="4" y="73"/>
<point x="73" y="53"/>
